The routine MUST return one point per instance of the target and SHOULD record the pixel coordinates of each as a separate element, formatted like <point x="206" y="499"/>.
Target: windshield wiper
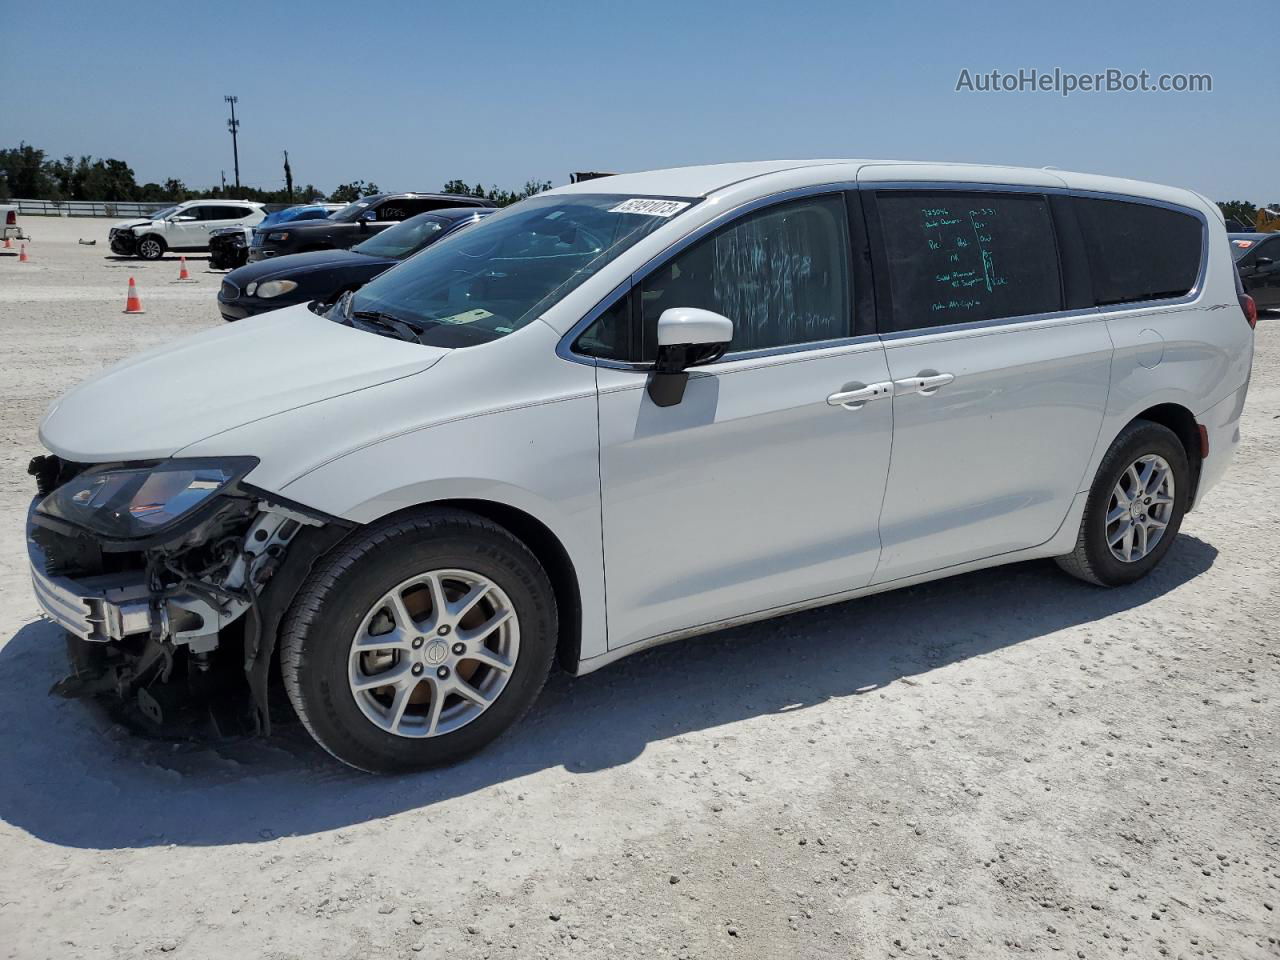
<point x="401" y="328"/>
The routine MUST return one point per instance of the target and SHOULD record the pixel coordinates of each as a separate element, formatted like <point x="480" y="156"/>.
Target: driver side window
<point x="781" y="274"/>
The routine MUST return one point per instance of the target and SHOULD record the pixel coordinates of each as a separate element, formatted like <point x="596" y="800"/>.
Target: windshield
<point x="351" y="210"/>
<point x="493" y="278"/>
<point x="404" y="238"/>
<point x="161" y="214"/>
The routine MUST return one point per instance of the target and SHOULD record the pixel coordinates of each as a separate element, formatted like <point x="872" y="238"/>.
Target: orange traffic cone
<point x="8" y="244"/>
<point x="22" y="254"/>
<point x="182" y="270"/>
<point x="133" y="304"/>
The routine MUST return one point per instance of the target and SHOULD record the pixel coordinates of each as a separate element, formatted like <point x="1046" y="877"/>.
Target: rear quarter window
<point x="1139" y="251"/>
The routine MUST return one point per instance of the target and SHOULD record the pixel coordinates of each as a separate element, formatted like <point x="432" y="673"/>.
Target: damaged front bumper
<point x="100" y="608"/>
<point x="123" y="242"/>
<point x="105" y="607"/>
<point x="156" y="622"/>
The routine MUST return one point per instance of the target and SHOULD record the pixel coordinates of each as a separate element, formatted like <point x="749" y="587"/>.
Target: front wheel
<point x="419" y="641"/>
<point x="1135" y="507"/>
<point x="150" y="248"/>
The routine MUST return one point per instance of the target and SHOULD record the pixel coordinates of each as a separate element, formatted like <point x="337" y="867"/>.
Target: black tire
<point x="317" y="633"/>
<point x="1092" y="559"/>
<point x="151" y="247"/>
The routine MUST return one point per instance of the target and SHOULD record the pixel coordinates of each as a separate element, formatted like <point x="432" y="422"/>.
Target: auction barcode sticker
<point x="651" y="208"/>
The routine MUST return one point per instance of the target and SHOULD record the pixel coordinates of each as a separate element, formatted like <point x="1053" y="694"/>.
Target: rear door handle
<point x="926" y="384"/>
<point x="855" y="397"/>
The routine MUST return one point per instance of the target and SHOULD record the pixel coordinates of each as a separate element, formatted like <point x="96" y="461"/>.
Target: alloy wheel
<point x="1140" y="508"/>
<point x="434" y="653"/>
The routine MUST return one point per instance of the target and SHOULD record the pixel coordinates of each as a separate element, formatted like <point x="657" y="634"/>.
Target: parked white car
<point x="9" y="226"/>
<point x="631" y="410"/>
<point x="183" y="228"/>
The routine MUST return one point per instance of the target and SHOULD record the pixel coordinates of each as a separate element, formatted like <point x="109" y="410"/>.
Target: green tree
<point x="1242" y="210"/>
<point x="26" y="172"/>
<point x="354" y="190"/>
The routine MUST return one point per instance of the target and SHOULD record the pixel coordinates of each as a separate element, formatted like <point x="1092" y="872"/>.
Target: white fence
<point x="86" y="208"/>
<point x="122" y="209"/>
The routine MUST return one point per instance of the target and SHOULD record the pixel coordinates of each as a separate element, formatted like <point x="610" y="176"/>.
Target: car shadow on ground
<point x="70" y="777"/>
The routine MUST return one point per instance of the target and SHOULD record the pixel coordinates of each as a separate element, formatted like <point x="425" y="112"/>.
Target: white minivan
<point x="636" y="409"/>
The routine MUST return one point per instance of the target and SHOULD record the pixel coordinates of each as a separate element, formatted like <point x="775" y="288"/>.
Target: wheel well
<point x="546" y="546"/>
<point x="1182" y="422"/>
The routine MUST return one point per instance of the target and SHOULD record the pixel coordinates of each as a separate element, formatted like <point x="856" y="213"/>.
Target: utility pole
<point x="288" y="177"/>
<point x="234" y="126"/>
<point x="224" y="180"/>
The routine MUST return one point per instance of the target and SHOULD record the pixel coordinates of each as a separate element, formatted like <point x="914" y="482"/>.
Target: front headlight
<point x="283" y="235"/>
<point x="273" y="288"/>
<point x="127" y="503"/>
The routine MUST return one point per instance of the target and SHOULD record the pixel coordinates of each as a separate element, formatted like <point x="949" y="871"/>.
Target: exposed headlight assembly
<point x="283" y="235"/>
<point x="129" y="503"/>
<point x="273" y="288"/>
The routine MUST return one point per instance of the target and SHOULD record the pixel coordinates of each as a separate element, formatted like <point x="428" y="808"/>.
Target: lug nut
<point x="417" y="642"/>
<point x="459" y="649"/>
<point x="443" y="673"/>
<point x="417" y="669"/>
<point x="443" y="631"/>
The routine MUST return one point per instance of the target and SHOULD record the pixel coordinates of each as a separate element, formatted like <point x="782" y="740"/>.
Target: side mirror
<point x="687" y="337"/>
<point x="1263" y="263"/>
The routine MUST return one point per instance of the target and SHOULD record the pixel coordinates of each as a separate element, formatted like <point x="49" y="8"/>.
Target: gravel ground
<point x="1003" y="764"/>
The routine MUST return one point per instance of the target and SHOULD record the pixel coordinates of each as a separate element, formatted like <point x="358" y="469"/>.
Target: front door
<point x="189" y="229"/>
<point x="999" y="391"/>
<point x="761" y="488"/>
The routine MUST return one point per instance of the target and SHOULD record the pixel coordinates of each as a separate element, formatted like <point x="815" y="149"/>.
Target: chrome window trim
<point x="979" y="327"/>
<point x="564" y="348"/>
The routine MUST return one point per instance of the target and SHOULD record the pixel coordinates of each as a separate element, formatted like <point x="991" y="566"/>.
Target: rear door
<point x="760" y="489"/>
<point x="999" y="384"/>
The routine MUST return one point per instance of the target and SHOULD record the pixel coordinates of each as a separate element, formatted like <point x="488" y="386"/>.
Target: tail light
<point x="1250" y="310"/>
<point x="12" y="219"/>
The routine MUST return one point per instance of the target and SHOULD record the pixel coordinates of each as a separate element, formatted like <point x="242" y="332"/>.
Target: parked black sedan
<point x="325" y="275"/>
<point x="353" y="223"/>
<point x="1257" y="258"/>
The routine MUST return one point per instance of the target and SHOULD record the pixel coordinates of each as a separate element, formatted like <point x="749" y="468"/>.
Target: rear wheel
<point x="151" y="247"/>
<point x="1135" y="507"/>
<point x="419" y="641"/>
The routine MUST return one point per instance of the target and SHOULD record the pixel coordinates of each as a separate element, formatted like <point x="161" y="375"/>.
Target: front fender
<point x="540" y="460"/>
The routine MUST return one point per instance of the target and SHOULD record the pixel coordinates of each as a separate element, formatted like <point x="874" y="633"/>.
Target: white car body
<point x="754" y="495"/>
<point x="186" y="228"/>
<point x="10" y="229"/>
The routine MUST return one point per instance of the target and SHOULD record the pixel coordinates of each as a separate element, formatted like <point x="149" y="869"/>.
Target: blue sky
<point x="412" y="94"/>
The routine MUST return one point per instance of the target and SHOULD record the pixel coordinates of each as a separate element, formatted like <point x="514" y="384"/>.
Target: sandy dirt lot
<point x="1005" y="764"/>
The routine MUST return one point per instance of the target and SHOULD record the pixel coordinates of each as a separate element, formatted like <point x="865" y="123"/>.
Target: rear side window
<point x="1138" y="251"/>
<point x="961" y="257"/>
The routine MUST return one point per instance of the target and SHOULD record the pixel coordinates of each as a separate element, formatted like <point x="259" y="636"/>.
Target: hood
<point x="297" y="264"/>
<point x="154" y="404"/>
<point x="127" y="224"/>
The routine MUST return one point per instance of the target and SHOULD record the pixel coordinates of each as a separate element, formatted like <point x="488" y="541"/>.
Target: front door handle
<point x="854" y="397"/>
<point x="926" y="384"/>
